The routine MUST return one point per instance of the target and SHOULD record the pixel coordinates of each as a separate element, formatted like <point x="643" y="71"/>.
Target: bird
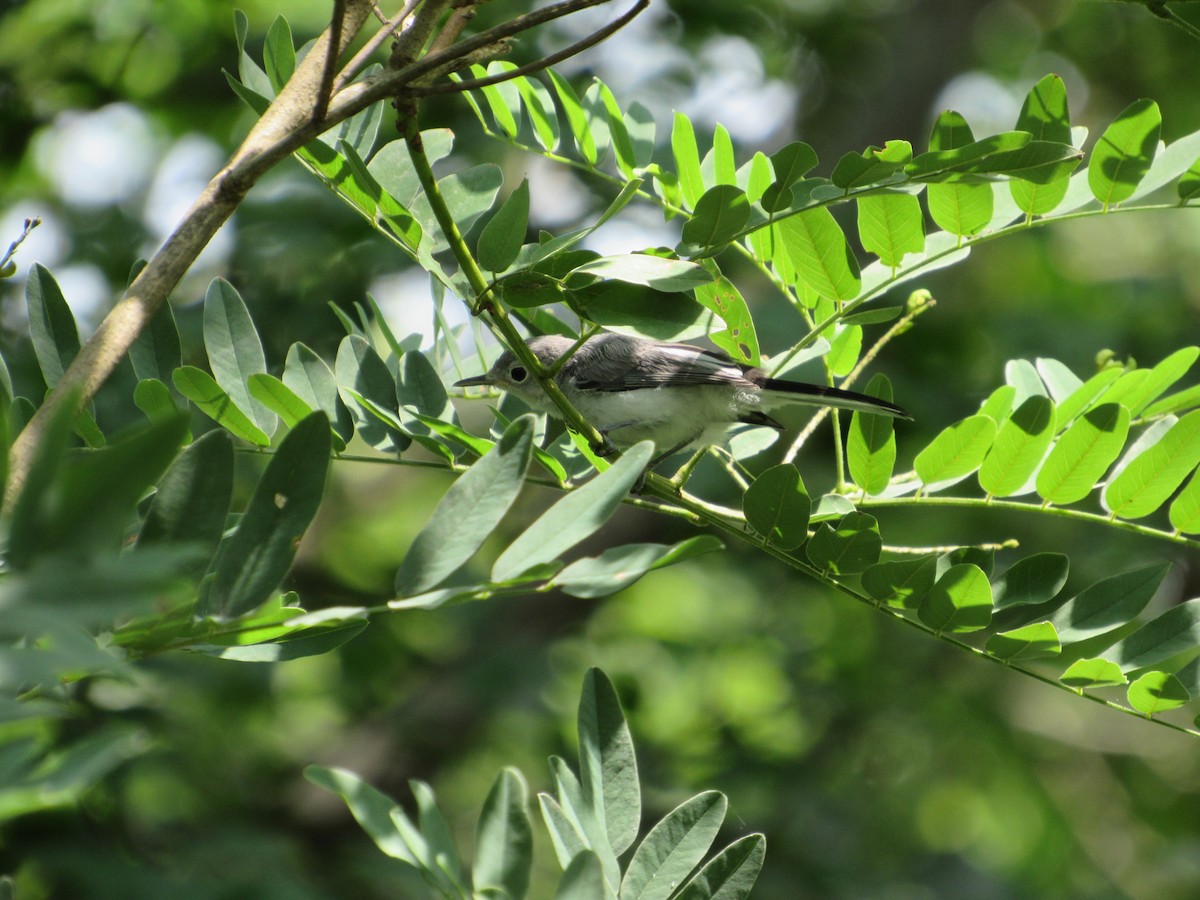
<point x="679" y="396"/>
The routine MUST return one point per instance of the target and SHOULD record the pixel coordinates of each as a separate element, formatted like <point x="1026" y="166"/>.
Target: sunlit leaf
<point x="1124" y="152"/>
<point x="961" y="209"/>
<point x="504" y="837"/>
<point x="1147" y="482"/>
<point x="1034" y="641"/>
<point x="817" y="248"/>
<point x="577" y="118"/>
<point x="890" y="226"/>
<point x="1019" y="447"/>
<point x="871" y="442"/>
<point x="720" y="215"/>
<point x="198" y="386"/>
<point x="1083" y="454"/>
<point x="618" y="567"/>
<point x="1092" y="673"/>
<point x="1157" y="692"/>
<point x="739" y="339"/>
<point x="655" y="272"/>
<point x="234" y="350"/>
<point x="730" y="875"/>
<point x="960" y="600"/>
<point x="903" y="583"/>
<point x="957" y="451"/>
<point x="1045" y="115"/>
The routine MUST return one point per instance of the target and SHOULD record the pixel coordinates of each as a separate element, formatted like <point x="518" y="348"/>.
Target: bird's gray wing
<point x="632" y="364"/>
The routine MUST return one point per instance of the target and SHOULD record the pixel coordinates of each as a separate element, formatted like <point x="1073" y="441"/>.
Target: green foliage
<point x="592" y="818"/>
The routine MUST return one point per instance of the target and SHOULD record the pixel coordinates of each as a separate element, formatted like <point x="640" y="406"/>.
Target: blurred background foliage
<point x="879" y="763"/>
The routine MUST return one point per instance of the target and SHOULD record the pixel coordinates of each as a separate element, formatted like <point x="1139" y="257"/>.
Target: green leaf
<point x="1176" y="630"/>
<point x="818" y="250"/>
<point x="637" y="310"/>
<point x="573" y="518"/>
<point x="51" y="324"/>
<point x="623" y="150"/>
<point x="436" y="830"/>
<point x="198" y="386"/>
<point x="957" y="451"/>
<point x="420" y="388"/>
<point x="1184" y="513"/>
<point x="790" y="164"/>
<point x="739" y="339"/>
<point x="504" y="837"/>
<point x="234" y="350"/>
<point x="1189" y="183"/>
<point x="311" y="379"/>
<point x="1157" y="692"/>
<point x="254" y="560"/>
<point x="962" y="209"/>
<point x="618" y="567"/>
<point x="583" y="879"/>
<point x="565" y="837"/>
<point x="577" y="118"/>
<point x="1035" y="641"/>
<point x="392" y="166"/>
<point x="372" y="810"/>
<point x="961" y="600"/>
<point x="360" y="370"/>
<point x="852" y="547"/>
<point x="1034" y="579"/>
<point x="652" y="271"/>
<point x="1084" y="396"/>
<point x="1083" y="454"/>
<point x="503" y="98"/>
<point x="539" y="106"/>
<point x="192" y="500"/>
<point x="777" y="506"/>
<point x="607" y="764"/>
<point x="674" y="847"/>
<point x="730" y="875"/>
<point x="891" y="225"/>
<point x="1092" y="673"/>
<point x="687" y="159"/>
<point x="279" y="53"/>
<point x="1146" y="483"/>
<point x="998" y="406"/>
<point x="720" y="215"/>
<point x="1044" y="115"/>
<point x="279" y="398"/>
<point x="154" y="399"/>
<point x="1108" y="604"/>
<point x="1158" y="379"/>
<point x="502" y="237"/>
<point x="903" y="583"/>
<point x="874" y="164"/>
<point x="156" y="352"/>
<point x="871" y="443"/>
<point x="1124" y="152"/>
<point x="468" y="513"/>
<point x="1019" y="447"/>
<point x="1188" y="398"/>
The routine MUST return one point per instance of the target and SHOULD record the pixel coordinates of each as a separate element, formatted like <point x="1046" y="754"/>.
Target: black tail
<point x="818" y="395"/>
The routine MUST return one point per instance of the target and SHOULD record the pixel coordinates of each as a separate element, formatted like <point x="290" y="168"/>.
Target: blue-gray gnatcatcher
<point x="676" y="395"/>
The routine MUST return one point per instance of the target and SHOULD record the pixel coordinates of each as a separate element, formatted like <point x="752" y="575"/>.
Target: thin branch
<point x="359" y="60"/>
<point x="26" y="228"/>
<point x="332" y="51"/>
<point x="1160" y="9"/>
<point x="538" y="65"/>
<point x="459" y="19"/>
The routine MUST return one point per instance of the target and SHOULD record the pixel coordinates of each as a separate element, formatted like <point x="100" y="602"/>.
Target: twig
<point x="26" y="228"/>
<point x="387" y="30"/>
<point x="332" y="50"/>
<point x="538" y="65"/>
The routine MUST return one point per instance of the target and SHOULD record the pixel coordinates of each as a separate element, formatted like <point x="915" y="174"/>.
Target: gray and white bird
<point x="676" y="395"/>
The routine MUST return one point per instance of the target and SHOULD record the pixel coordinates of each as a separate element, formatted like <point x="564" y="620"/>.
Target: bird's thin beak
<point x="474" y="381"/>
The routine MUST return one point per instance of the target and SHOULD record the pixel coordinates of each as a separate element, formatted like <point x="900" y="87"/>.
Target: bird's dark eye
<point x="518" y="374"/>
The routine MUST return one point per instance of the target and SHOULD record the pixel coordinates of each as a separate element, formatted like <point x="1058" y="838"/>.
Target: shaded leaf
<point x="902" y="583"/>
<point x="730" y="875"/>
<point x="1032" y="580"/>
<point x="608" y="771"/>
<point x="234" y="350"/>
<point x="1176" y="630"/>
<point x="651" y="271"/>
<point x="618" y="567"/>
<point x="502" y="237"/>
<point x="254" y="560"/>
<point x="851" y="547"/>
<point x="1108" y="604"/>
<point x="51" y="324"/>
<point x="504" y="837"/>
<point x="777" y="506"/>
<point x="573" y="518"/>
<point x="468" y="512"/>
<point x="674" y="847"/>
